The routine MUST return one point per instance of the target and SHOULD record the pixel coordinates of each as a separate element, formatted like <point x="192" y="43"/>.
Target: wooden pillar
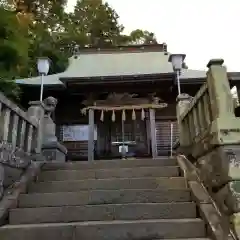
<point x="91" y="135"/>
<point x="148" y="134"/>
<point x="153" y="132"/>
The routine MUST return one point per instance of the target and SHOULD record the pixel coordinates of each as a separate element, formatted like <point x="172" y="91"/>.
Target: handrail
<point x="195" y="100"/>
<point x="233" y="235"/>
<point x="18" y="111"/>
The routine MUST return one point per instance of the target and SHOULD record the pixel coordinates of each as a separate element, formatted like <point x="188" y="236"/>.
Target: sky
<point x="201" y="29"/>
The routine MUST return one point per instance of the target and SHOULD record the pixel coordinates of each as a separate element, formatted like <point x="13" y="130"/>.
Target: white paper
<point x="75" y="133"/>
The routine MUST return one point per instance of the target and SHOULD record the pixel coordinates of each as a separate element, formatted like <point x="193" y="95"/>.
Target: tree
<point x="13" y="51"/>
<point x="97" y="22"/>
<point x="43" y="28"/>
<point x="39" y="10"/>
<point x="139" y="36"/>
<point x="44" y="20"/>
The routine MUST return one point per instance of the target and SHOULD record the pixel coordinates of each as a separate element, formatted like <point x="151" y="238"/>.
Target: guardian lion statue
<point x="50" y="104"/>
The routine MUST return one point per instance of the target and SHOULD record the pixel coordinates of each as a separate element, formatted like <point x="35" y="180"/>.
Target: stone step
<point x="101" y="164"/>
<point x="133" y="211"/>
<point x="61" y="175"/>
<point x="95" y="197"/>
<point x="108" y="184"/>
<point x="113" y="230"/>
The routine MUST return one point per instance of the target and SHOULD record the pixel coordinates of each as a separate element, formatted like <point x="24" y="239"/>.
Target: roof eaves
<point x="51" y="80"/>
<point x="134" y="76"/>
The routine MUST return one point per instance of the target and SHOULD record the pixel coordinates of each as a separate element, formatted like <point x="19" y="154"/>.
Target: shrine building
<point x="117" y="98"/>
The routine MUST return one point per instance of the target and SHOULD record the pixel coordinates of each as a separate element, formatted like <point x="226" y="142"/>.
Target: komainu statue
<point x="50" y="105"/>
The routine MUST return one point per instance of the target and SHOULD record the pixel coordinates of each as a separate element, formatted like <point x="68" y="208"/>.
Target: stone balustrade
<point x="210" y="137"/>
<point x="16" y="128"/>
<point x="18" y="140"/>
<point x="196" y="119"/>
<point x="26" y="137"/>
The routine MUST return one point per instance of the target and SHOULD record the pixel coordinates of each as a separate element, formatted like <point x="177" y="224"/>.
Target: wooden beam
<point x="153" y="133"/>
<point x="91" y="135"/>
<point x="126" y="107"/>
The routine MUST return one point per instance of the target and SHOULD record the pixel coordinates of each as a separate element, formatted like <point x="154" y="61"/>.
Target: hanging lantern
<point x="143" y="114"/>
<point x="133" y="115"/>
<point x="123" y="115"/>
<point x="113" y="116"/>
<point x="102" y="116"/>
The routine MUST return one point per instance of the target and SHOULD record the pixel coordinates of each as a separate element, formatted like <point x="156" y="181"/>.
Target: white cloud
<point x="202" y="29"/>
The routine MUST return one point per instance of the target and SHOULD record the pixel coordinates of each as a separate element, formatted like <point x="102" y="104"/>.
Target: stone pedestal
<point x="183" y="101"/>
<point x="51" y="148"/>
<point x="54" y="152"/>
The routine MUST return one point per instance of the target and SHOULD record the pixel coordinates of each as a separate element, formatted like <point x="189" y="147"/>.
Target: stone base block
<point x="220" y="166"/>
<point x="235" y="221"/>
<point x="228" y="198"/>
<point x="54" y="152"/>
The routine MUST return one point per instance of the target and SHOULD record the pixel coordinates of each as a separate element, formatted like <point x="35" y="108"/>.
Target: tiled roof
<point x="89" y="65"/>
<point x="48" y="80"/>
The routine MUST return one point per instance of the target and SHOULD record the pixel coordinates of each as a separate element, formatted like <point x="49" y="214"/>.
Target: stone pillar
<point x="91" y="135"/>
<point x="219" y="90"/>
<point x="36" y="112"/>
<point x="183" y="101"/>
<point x="152" y="123"/>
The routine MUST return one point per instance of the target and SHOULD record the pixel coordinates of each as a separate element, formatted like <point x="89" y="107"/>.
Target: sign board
<point x="77" y="133"/>
<point x="121" y="148"/>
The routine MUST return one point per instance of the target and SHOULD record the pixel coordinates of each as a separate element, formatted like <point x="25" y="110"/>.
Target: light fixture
<point x="177" y="62"/>
<point x="43" y="65"/>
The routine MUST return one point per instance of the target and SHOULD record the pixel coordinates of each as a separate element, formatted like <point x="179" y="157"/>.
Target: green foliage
<point x="139" y="36"/>
<point x="13" y="51"/>
<point x="98" y="22"/>
<point x="95" y="23"/>
<point x="33" y="28"/>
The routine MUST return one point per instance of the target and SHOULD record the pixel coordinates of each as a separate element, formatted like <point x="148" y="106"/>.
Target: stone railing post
<point x="224" y="133"/>
<point x="225" y="126"/>
<point x="219" y="90"/>
<point x="36" y="112"/>
<point x="183" y="101"/>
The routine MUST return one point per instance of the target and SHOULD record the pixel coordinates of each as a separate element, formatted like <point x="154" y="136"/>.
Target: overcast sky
<point x="202" y="29"/>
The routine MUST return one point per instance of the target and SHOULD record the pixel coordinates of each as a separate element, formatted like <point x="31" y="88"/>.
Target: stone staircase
<point x="107" y="200"/>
